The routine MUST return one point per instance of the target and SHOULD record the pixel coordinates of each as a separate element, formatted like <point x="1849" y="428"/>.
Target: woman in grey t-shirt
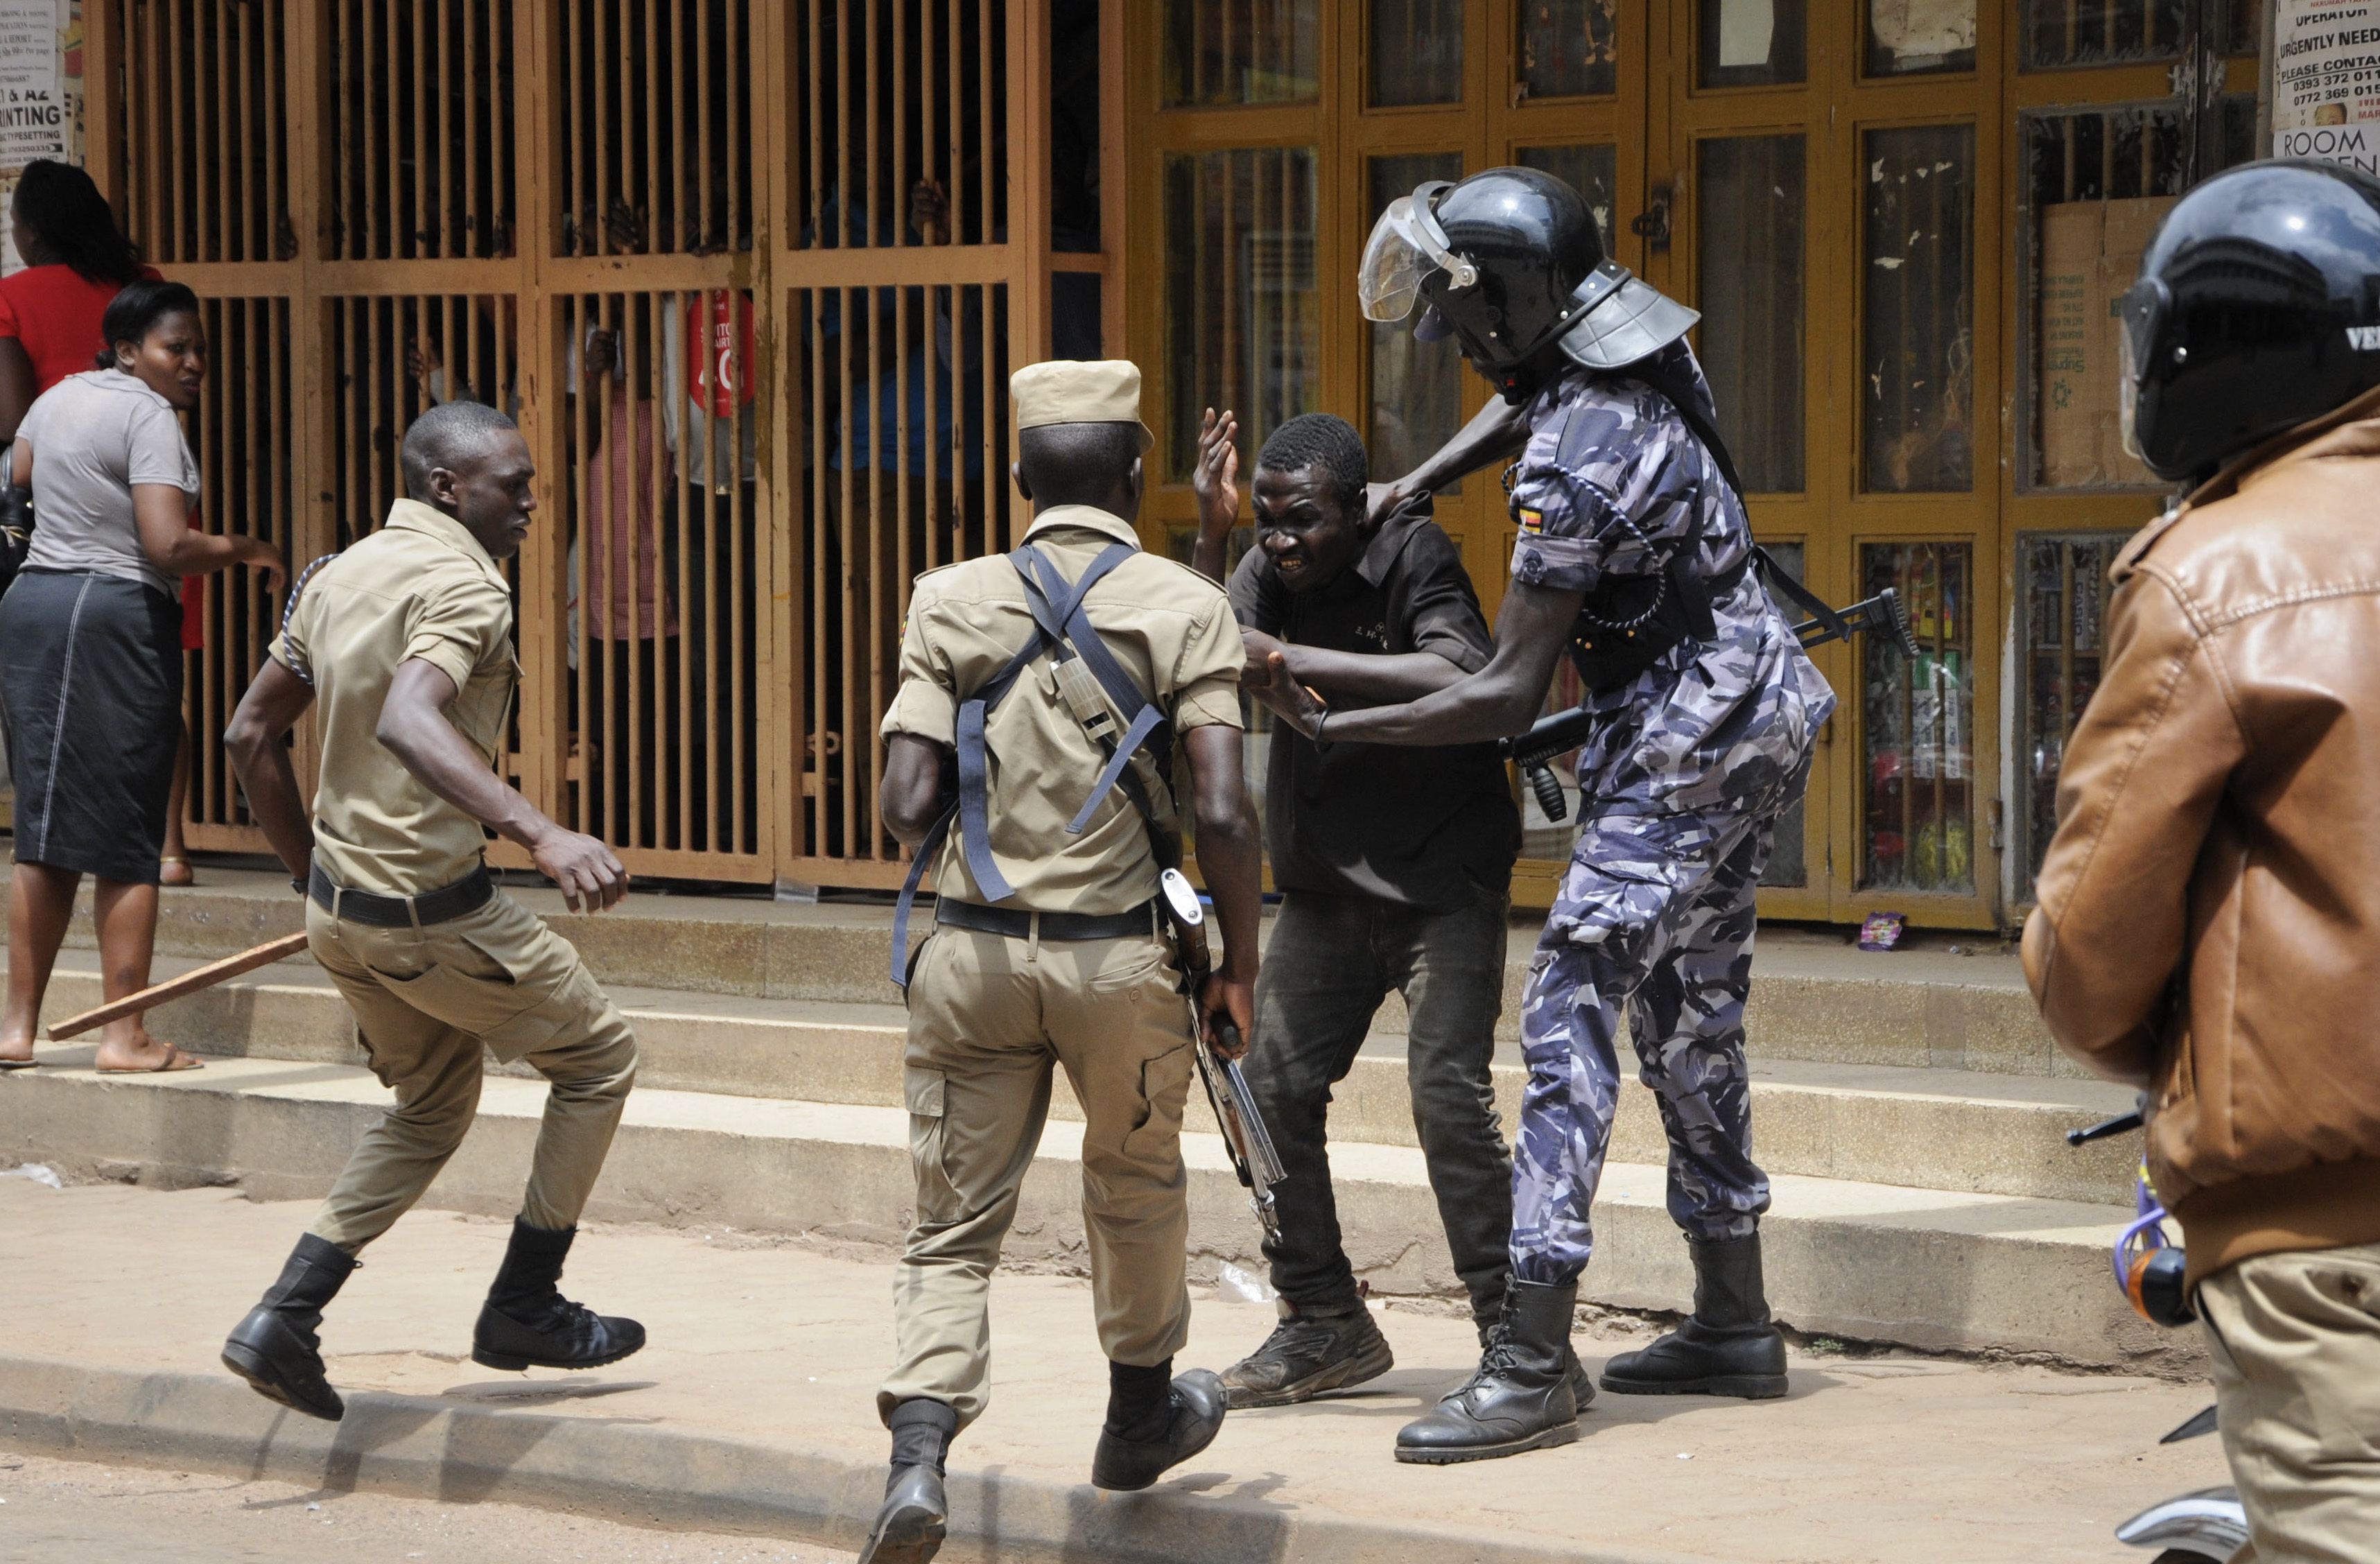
<point x="91" y="655"/>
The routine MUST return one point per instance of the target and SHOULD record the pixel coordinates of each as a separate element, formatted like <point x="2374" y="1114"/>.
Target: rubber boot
<point x="527" y="1323"/>
<point x="1726" y="1347"/>
<point x="1142" y="1440"/>
<point x="909" y="1527"/>
<point x="1521" y="1397"/>
<point x="276" y="1348"/>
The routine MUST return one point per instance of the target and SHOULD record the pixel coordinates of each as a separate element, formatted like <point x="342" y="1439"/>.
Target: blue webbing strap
<point x="1075" y="625"/>
<point x="900" y="909"/>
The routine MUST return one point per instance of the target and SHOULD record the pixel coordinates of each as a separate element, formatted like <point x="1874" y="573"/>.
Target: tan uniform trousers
<point x="988" y="1016"/>
<point x="425" y="1001"/>
<point x="2295" y="1341"/>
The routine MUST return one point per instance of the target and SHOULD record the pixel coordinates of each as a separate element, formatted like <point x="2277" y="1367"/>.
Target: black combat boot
<point x="275" y="1349"/>
<point x="1520" y="1399"/>
<point x="1153" y="1425"/>
<point x="909" y="1527"/>
<point x="1726" y="1347"/>
<point x="527" y="1323"/>
<point x="1582" y="1384"/>
<point x="1309" y="1352"/>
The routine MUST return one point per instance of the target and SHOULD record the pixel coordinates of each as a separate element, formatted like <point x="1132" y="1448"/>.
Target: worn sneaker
<point x="1307" y="1354"/>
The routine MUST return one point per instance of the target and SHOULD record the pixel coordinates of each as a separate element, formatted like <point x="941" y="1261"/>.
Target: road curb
<point x="637" y="1472"/>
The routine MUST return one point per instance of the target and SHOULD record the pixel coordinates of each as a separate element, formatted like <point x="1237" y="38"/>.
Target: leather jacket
<point x="2208" y="922"/>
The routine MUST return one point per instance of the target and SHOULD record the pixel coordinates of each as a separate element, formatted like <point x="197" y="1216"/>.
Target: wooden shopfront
<point x="764" y="371"/>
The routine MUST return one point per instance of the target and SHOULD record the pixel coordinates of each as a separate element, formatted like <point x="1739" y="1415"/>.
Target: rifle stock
<point x="1249" y="1145"/>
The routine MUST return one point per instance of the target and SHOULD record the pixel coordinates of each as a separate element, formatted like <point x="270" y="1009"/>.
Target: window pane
<point x="1919" y="723"/>
<point x="1241" y="51"/>
<point x="1750" y="42"/>
<point x="2243" y="25"/>
<point x="2091" y="32"/>
<point x="1788" y="858"/>
<point x="1591" y="170"/>
<point x="1242" y="314"/>
<point x="1915" y="37"/>
<point x="1750" y="254"/>
<point x="1918" y="333"/>
<point x="1417" y="51"/>
<point x="1570" y="48"/>
<point x="2065" y="591"/>
<point x="1416" y="386"/>
<point x="2099" y="181"/>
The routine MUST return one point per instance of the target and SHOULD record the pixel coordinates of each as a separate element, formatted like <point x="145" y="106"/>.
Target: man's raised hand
<point x="591" y="878"/>
<point x="1216" y="478"/>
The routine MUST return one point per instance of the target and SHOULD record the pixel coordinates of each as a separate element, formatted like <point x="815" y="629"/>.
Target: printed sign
<point x="2327" y="81"/>
<point x="33" y="119"/>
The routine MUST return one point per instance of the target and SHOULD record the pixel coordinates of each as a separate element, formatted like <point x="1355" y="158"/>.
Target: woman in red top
<point x="76" y="259"/>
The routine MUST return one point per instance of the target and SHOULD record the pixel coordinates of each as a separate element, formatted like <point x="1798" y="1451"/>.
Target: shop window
<point x="1417" y="51"/>
<point x="2098" y="33"/>
<point x="1789" y="861"/>
<point x="1242" y="318"/>
<point x="2061" y="606"/>
<point x="1589" y="168"/>
<point x="1920" y="37"/>
<point x="1222" y="52"/>
<point x="2100" y="181"/>
<point x="1751" y="43"/>
<point x="1749" y="260"/>
<point x="1917" y="721"/>
<point x="1917" y="325"/>
<point x="1570" y="48"/>
<point x="1416" y="386"/>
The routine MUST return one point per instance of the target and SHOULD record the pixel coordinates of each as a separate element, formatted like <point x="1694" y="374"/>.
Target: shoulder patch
<point x="1533" y="522"/>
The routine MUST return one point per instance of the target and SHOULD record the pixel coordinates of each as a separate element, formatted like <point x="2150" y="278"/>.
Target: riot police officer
<point x="1635" y="557"/>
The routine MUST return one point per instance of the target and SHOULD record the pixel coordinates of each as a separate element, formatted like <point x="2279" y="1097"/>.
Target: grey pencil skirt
<point x="90" y="692"/>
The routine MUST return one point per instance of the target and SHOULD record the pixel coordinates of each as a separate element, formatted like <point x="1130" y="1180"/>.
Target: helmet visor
<point x="1406" y="245"/>
<point x="2141" y="310"/>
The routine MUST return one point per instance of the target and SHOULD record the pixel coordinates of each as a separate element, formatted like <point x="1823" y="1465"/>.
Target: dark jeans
<point x="1332" y="960"/>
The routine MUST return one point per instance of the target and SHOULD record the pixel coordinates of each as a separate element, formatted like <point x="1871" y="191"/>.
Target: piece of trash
<point x="36" y="1172"/>
<point x="313" y="1506"/>
<point x="1243" y="1287"/>
<point x="1686" y="1455"/>
<point x="1882" y="931"/>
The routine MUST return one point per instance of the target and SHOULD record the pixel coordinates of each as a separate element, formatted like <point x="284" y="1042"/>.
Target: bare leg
<point x="176" y="869"/>
<point x="127" y="915"/>
<point x="41" y="900"/>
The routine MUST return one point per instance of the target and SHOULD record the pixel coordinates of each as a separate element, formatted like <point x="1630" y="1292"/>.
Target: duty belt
<point x="1017" y="923"/>
<point x="467" y="895"/>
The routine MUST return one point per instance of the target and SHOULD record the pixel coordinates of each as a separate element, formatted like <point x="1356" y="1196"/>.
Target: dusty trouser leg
<point x="1687" y="1022"/>
<point x="1452" y="977"/>
<point x="591" y="1065"/>
<point x="976" y="1079"/>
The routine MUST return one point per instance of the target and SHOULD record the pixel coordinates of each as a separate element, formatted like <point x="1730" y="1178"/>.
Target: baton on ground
<point x="206" y="976"/>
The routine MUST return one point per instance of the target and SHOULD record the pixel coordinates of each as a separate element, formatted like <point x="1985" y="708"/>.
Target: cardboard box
<point x="2090" y="254"/>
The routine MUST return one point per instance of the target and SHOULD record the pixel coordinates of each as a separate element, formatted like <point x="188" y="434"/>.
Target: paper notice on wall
<point x="2090" y="254"/>
<point x="2327" y="81"/>
<point x="1922" y="29"/>
<point x="33" y="118"/>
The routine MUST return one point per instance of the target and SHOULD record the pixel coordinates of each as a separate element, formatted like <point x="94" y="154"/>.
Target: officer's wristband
<point x="1318" y="721"/>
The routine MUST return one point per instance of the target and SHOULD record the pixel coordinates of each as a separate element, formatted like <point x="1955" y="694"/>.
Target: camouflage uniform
<point x="1679" y="788"/>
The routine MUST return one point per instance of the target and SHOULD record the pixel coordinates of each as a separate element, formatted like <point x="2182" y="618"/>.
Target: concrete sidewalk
<point x="754" y="1410"/>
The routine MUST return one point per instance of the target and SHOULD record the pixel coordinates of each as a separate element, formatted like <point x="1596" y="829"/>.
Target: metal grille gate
<point x="685" y="243"/>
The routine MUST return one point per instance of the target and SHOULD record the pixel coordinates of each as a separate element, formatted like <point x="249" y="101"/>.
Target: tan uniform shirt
<point x="1169" y="628"/>
<point x="420" y="587"/>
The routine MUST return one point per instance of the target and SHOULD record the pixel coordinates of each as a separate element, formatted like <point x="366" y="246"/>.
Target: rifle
<point x="1251" y="1148"/>
<point x="1566" y="730"/>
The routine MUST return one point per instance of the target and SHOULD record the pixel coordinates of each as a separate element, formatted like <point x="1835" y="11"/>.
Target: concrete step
<point x="1930" y="1269"/>
<point x="1924" y="1128"/>
<point x="1815" y="997"/>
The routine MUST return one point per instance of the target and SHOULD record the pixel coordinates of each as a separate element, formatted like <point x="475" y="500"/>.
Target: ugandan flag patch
<point x="1533" y="521"/>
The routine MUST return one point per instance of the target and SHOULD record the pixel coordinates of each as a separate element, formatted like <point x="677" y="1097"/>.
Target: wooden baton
<point x="191" y="982"/>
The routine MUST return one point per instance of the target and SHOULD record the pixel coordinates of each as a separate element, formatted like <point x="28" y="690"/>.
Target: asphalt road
<point x="67" y="1513"/>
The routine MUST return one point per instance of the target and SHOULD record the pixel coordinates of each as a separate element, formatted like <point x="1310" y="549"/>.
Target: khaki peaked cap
<point x="1079" y="391"/>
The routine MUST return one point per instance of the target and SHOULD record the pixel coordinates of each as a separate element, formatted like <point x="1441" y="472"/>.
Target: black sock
<point x="1140" y="1401"/>
<point x="922" y="1430"/>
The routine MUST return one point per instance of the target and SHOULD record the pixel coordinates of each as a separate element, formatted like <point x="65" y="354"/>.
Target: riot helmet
<point x="2257" y="308"/>
<point x="1510" y="262"/>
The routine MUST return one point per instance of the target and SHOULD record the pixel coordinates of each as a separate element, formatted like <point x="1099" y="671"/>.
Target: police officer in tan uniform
<point x="1046" y="820"/>
<point x="404" y="641"/>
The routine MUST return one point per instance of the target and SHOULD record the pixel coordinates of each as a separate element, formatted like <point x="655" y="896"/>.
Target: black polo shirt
<point x="1426" y="827"/>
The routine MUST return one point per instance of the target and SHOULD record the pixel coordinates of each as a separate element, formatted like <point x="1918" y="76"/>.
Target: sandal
<point x="166" y="867"/>
<point x="175" y="1059"/>
<point x="17" y="1063"/>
